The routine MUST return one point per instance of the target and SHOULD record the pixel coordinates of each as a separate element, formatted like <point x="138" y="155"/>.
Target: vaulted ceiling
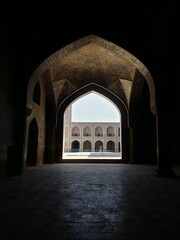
<point x="95" y="60"/>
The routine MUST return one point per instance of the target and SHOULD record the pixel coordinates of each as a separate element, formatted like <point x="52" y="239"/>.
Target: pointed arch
<point x="110" y="131"/>
<point x="75" y="146"/>
<point x="99" y="146"/>
<point x="126" y="59"/>
<point x="75" y="131"/>
<point x="95" y="63"/>
<point x="110" y="146"/>
<point x="118" y="103"/>
<point x="98" y="131"/>
<point x="87" y="131"/>
<point x="87" y="146"/>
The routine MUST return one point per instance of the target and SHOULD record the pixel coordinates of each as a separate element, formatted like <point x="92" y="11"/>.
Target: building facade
<point x="91" y="136"/>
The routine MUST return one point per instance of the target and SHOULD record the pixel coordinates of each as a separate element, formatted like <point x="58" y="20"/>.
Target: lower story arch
<point x="87" y="146"/>
<point x="99" y="146"/>
<point x="111" y="146"/>
<point x="75" y="146"/>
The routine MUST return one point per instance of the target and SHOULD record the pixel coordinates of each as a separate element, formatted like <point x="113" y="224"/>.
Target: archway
<point x="32" y="144"/>
<point x="75" y="146"/>
<point x="110" y="146"/>
<point x="75" y="131"/>
<point x="92" y="61"/>
<point x="99" y="146"/>
<point x="98" y="131"/>
<point x="89" y="118"/>
<point x="117" y="101"/>
<point x="86" y="131"/>
<point x="87" y="146"/>
<point x="110" y="131"/>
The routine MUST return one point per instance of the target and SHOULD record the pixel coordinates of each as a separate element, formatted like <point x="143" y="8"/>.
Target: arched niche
<point x="32" y="149"/>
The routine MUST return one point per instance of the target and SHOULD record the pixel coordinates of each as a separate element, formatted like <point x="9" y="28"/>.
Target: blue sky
<point x="94" y="108"/>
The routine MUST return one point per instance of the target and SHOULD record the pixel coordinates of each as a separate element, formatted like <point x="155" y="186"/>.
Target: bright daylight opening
<point x="92" y="129"/>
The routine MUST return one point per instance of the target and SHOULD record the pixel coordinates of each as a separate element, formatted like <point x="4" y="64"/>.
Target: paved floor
<point x="92" y="155"/>
<point x="90" y="202"/>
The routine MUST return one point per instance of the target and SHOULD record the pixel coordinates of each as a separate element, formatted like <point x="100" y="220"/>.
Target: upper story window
<point x="98" y="131"/>
<point x="110" y="131"/>
<point x="87" y="131"/>
<point x="75" y="131"/>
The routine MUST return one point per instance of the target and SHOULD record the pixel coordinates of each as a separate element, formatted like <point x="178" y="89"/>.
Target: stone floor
<point x="92" y="155"/>
<point x="90" y="202"/>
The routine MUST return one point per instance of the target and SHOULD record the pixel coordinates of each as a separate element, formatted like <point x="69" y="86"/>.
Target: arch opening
<point x="89" y="131"/>
<point x="75" y="146"/>
<point x="95" y="122"/>
<point x="62" y="87"/>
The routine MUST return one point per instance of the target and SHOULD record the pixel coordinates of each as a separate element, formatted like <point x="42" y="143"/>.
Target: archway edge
<point x="54" y="58"/>
<point x="99" y="90"/>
